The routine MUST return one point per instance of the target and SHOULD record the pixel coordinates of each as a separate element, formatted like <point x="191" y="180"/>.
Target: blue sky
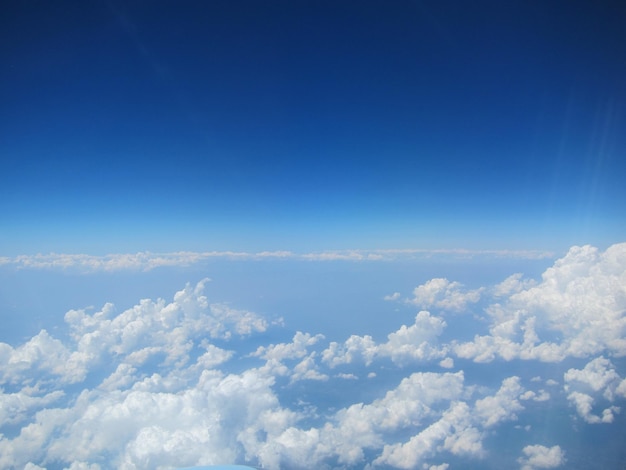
<point x="297" y="234"/>
<point x="314" y="125"/>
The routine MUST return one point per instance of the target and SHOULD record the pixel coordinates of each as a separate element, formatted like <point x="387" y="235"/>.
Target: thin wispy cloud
<point x="146" y="261"/>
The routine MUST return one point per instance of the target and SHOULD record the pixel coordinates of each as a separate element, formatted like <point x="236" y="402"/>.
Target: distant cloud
<point x="442" y="294"/>
<point x="447" y="363"/>
<point x="538" y="456"/>
<point x="145" y="261"/>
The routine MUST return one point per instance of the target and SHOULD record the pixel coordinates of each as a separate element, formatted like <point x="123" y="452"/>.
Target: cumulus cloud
<point x="149" y="330"/>
<point x="167" y="384"/>
<point x="459" y="430"/>
<point x="417" y="342"/>
<point x="297" y="349"/>
<point x="277" y="354"/>
<point x="538" y="456"/>
<point x="442" y="294"/>
<point x="577" y="310"/>
<point x="188" y="411"/>
<point x="597" y="380"/>
<point x="447" y="363"/>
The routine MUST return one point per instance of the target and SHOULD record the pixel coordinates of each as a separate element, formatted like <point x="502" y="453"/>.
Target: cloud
<point x="511" y="285"/>
<point x="393" y="297"/>
<point x="459" y="430"/>
<point x="183" y="382"/>
<point x="442" y="294"/>
<point x="276" y="355"/>
<point x="347" y="376"/>
<point x="188" y="411"/>
<point x="352" y="430"/>
<point x="598" y="379"/>
<point x="295" y="350"/>
<point x="417" y="342"/>
<point x="145" y="260"/>
<point x="151" y="330"/>
<point x="447" y="363"/>
<point x="16" y="407"/>
<point x="538" y="456"/>
<point x="502" y="406"/>
<point x="577" y="310"/>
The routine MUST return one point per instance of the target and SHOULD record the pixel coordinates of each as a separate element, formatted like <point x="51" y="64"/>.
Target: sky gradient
<point x="347" y="235"/>
<point x="311" y="125"/>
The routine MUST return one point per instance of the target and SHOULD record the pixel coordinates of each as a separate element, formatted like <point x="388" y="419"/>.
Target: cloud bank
<point x="146" y="261"/>
<point x="166" y="384"/>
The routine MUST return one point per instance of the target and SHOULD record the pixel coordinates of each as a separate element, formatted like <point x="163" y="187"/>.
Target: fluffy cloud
<point x="190" y="412"/>
<point x="277" y="354"/>
<point x="459" y="430"/>
<point x="165" y="327"/>
<point x="297" y="349"/>
<point x="437" y="407"/>
<point x="538" y="456"/>
<point x="167" y="384"/>
<point x="502" y="406"/>
<point x="151" y="330"/>
<point x="577" y="310"/>
<point x="442" y="294"/>
<point x="417" y="342"/>
<point x="598" y="379"/>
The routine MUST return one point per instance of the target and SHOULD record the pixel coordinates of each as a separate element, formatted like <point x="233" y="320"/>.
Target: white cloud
<point x="447" y="363"/>
<point x="346" y="376"/>
<point x="597" y="375"/>
<point x="154" y="328"/>
<point x="456" y="432"/>
<point x="159" y="385"/>
<point x="511" y="285"/>
<point x="295" y="350"/>
<point x="538" y="456"/>
<point x="417" y="342"/>
<point x="42" y="354"/>
<point x="276" y="355"/>
<point x="145" y="261"/>
<point x="32" y="466"/>
<point x="307" y="369"/>
<point x="577" y="310"/>
<point x="502" y="406"/>
<point x="444" y="295"/>
<point x="16" y="407"/>
<point x="541" y="395"/>
<point x="393" y="297"/>
<point x="359" y="427"/>
<point x="597" y="380"/>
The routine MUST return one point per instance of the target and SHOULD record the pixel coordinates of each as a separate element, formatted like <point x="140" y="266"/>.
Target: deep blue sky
<point x="311" y="125"/>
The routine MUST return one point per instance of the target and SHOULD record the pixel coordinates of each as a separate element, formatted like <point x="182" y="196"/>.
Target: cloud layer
<point x="168" y="384"/>
<point x="145" y="261"/>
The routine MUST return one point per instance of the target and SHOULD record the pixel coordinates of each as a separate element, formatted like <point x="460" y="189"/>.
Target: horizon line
<point x="147" y="260"/>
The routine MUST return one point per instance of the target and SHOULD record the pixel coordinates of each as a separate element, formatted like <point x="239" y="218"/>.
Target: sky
<point x="312" y="234"/>
<point x="130" y="126"/>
